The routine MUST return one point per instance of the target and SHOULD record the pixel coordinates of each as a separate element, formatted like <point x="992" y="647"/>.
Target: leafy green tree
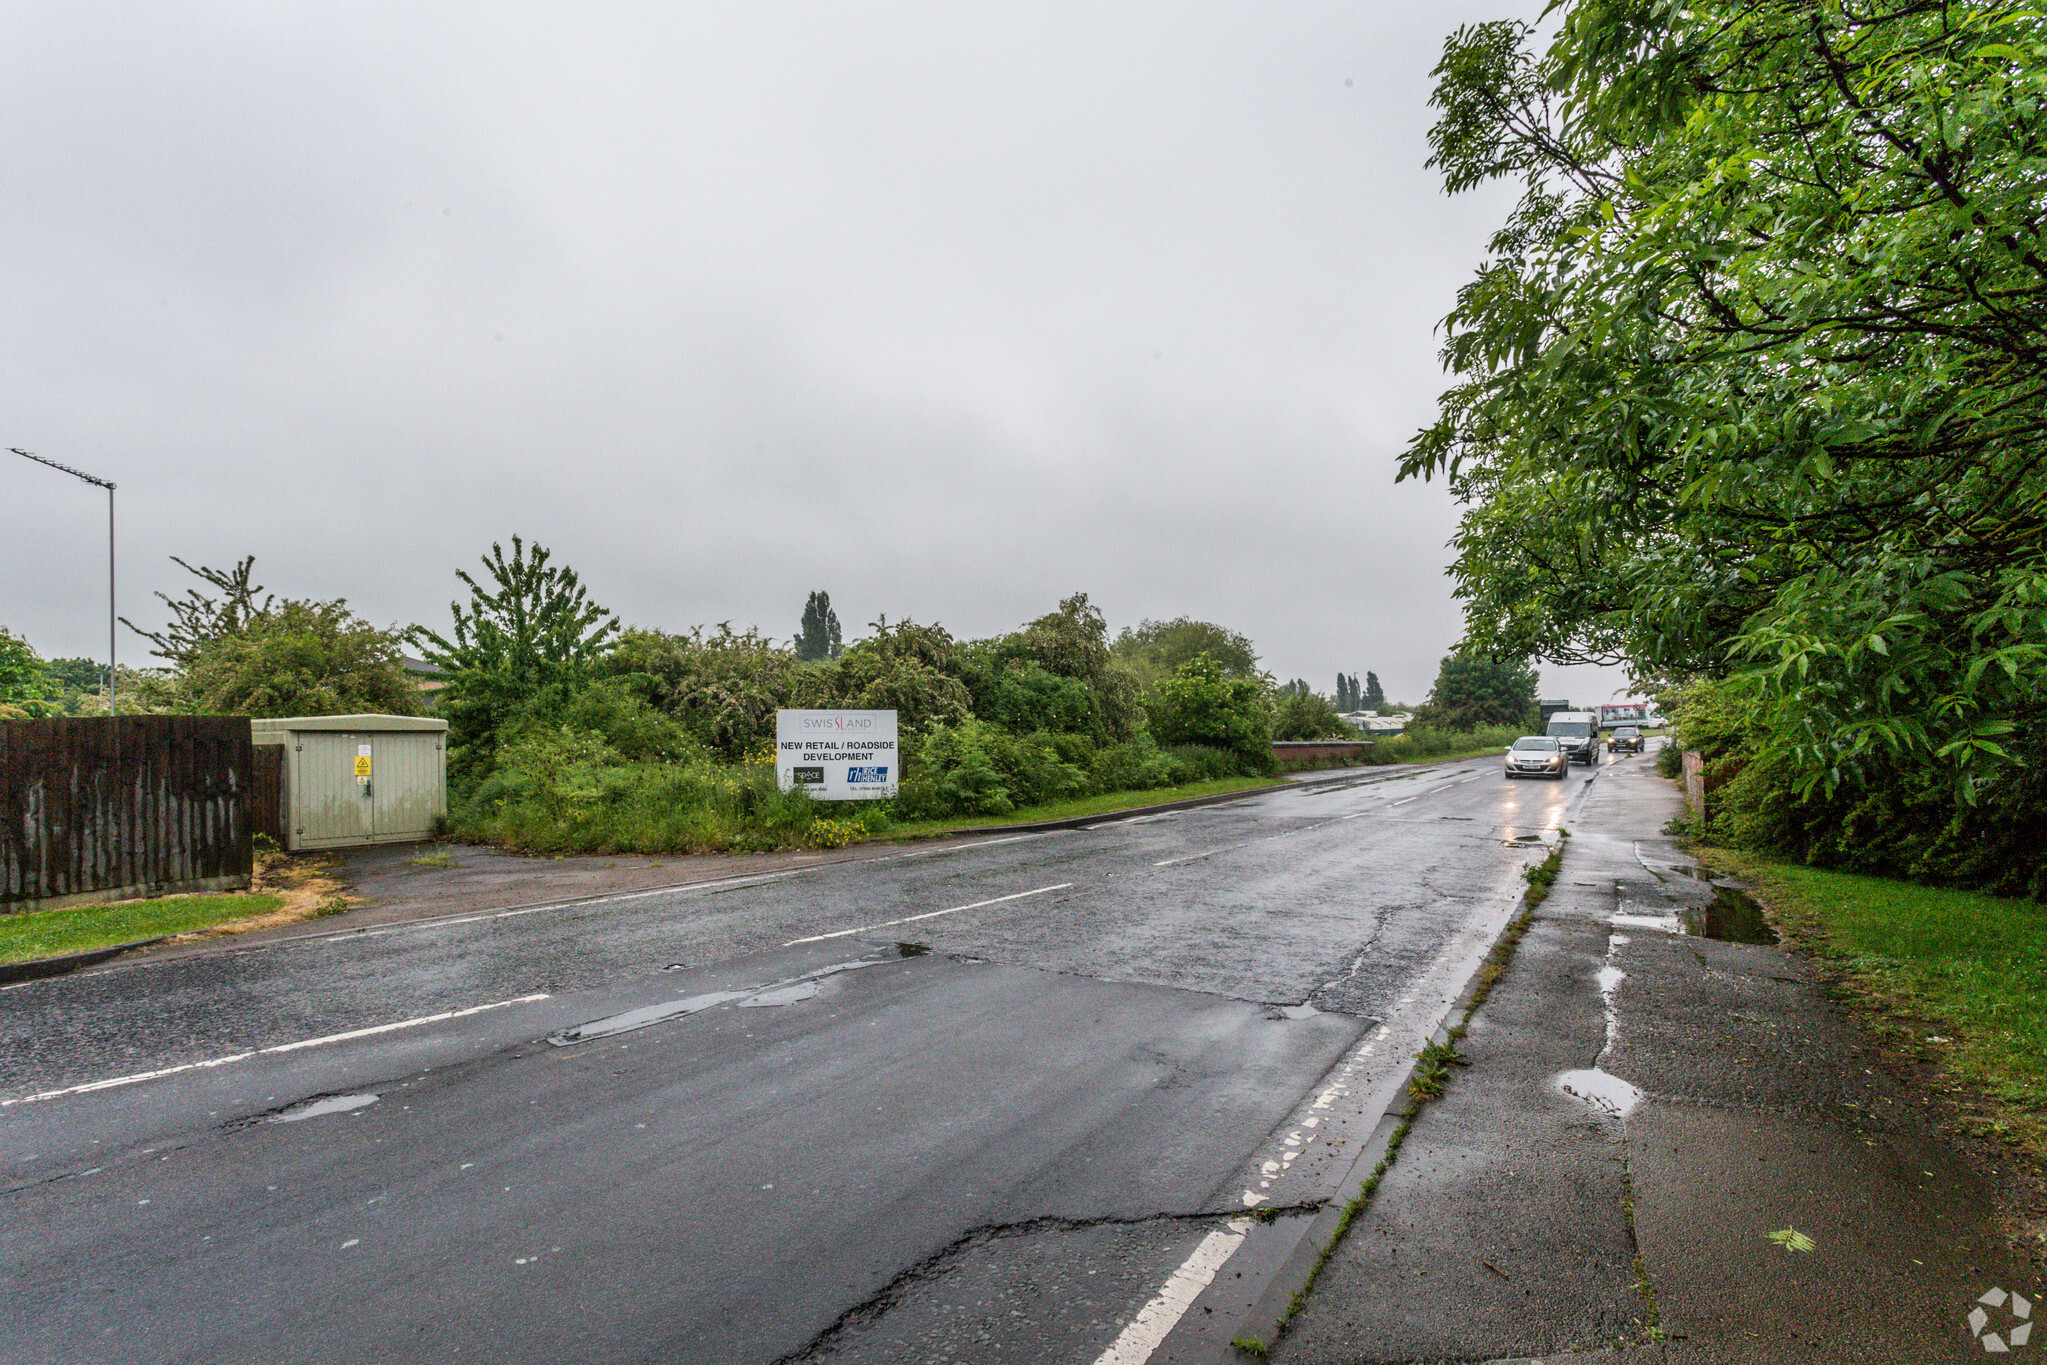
<point x="1307" y="715"/>
<point x="1374" y="696"/>
<point x="198" y="619"/>
<point x="244" y="652"/>
<point x="819" y="638"/>
<point x="917" y="671"/>
<point x="24" y="684"/>
<point x="1202" y="703"/>
<point x="74" y="678"/>
<point x="1155" y="649"/>
<point x="1751" y="385"/>
<point x="1474" y="690"/>
<point x="298" y="659"/>
<point x="1013" y="677"/>
<point x="534" y="629"/>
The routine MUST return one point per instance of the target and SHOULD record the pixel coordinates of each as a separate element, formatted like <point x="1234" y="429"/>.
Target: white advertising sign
<point x="838" y="755"/>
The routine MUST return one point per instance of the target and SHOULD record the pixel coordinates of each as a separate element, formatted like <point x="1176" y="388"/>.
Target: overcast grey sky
<point x="948" y="309"/>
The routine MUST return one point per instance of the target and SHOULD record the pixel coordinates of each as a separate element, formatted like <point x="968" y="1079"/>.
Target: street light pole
<point x="108" y="485"/>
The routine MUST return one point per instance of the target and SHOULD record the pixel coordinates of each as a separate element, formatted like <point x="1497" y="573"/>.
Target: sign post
<point x="838" y="755"/>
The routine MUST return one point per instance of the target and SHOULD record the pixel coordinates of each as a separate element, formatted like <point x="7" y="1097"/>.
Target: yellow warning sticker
<point x="362" y="766"/>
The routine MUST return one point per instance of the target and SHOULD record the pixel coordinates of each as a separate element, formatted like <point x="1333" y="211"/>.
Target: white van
<point x="1577" y="733"/>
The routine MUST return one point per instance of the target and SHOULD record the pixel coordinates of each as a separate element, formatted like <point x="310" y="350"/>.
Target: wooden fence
<point x="103" y="808"/>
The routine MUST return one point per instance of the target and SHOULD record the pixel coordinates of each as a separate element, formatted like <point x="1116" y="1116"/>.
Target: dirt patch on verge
<point x="309" y="884"/>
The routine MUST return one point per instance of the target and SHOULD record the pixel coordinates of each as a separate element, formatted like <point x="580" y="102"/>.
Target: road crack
<point x="939" y="1263"/>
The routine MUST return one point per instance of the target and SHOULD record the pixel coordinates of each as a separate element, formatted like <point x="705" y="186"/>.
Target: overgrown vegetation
<point x="233" y="654"/>
<point x="1749" y="398"/>
<point x="229" y="648"/>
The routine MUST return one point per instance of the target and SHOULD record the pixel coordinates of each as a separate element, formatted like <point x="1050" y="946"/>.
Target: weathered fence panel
<point x="103" y="807"/>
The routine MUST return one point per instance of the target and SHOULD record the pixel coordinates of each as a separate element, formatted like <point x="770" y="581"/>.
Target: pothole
<point x="321" y="1107"/>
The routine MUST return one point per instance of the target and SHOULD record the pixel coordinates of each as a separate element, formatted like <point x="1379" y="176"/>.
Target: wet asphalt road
<point x="993" y="1143"/>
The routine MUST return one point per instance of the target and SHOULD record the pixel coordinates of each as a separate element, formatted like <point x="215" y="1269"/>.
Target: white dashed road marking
<point x="928" y="914"/>
<point x="303" y="1043"/>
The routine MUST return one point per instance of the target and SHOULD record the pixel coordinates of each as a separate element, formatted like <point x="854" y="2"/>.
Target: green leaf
<point x="1791" y="1239"/>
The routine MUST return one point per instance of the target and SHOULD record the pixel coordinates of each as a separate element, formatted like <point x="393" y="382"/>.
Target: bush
<point x="723" y="687"/>
<point x="1201" y="705"/>
<point x="977" y="768"/>
<point x="1201" y="763"/>
<point x="1891" y="814"/>
<point x="1298" y="715"/>
<point x="299" y="659"/>
<point x="559" y="792"/>
<point x="1057" y="674"/>
<point x="1131" y="767"/>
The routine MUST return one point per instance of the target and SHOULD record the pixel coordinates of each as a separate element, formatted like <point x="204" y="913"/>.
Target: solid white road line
<point x="265" y="1051"/>
<point x="928" y="914"/>
<point x="680" y="889"/>
<point x="1183" y="1286"/>
<point x="957" y="848"/>
<point x="1197" y="857"/>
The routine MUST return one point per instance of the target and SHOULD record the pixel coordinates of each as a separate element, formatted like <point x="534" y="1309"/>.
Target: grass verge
<point x="1956" y="977"/>
<point x="1076" y="808"/>
<point x="82" y="928"/>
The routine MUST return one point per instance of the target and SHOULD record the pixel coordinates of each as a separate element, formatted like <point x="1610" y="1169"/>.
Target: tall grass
<point x="695" y="807"/>
<point x="570" y="794"/>
<point x="1421" y="742"/>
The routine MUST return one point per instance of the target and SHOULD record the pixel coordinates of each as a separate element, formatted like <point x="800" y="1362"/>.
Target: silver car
<point x="1537" y="756"/>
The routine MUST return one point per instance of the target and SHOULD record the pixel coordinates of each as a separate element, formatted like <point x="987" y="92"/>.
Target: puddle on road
<point x="1608" y="1094"/>
<point x="782" y="995"/>
<point x="757" y="997"/>
<point x="324" y="1105"/>
<point x="642" y="1017"/>
<point x="1300" y="1011"/>
<point x="1733" y="917"/>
